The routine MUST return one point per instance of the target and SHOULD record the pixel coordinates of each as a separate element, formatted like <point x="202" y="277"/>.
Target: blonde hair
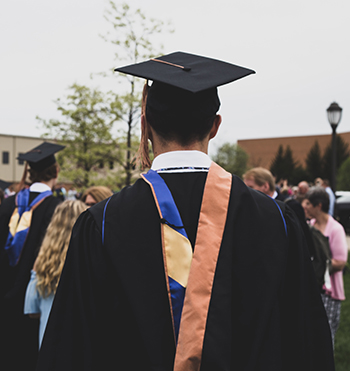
<point x="53" y="250"/>
<point x="260" y="176"/>
<point x="98" y="193"/>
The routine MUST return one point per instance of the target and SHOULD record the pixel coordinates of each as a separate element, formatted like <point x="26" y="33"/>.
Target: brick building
<point x="262" y="151"/>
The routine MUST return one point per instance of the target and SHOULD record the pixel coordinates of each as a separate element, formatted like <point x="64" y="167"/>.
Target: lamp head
<point x="334" y="113"/>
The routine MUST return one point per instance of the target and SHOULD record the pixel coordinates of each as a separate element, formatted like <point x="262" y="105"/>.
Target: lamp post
<point x="334" y="113"/>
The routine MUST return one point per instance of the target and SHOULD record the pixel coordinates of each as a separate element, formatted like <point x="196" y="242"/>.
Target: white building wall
<point x="13" y="145"/>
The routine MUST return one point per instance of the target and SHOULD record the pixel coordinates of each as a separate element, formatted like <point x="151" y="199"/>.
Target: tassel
<point x="24" y="177"/>
<point x="142" y="156"/>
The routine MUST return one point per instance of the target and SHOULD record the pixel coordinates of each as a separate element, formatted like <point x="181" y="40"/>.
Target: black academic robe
<point x="280" y="196"/>
<point x="19" y="333"/>
<point x="300" y="214"/>
<point x="111" y="309"/>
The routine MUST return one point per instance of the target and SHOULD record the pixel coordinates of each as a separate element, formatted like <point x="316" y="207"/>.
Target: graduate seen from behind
<point x="24" y="218"/>
<point x="187" y="269"/>
<point x="49" y="263"/>
<point x="262" y="180"/>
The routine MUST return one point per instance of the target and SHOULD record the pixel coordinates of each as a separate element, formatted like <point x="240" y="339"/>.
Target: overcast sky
<point x="299" y="49"/>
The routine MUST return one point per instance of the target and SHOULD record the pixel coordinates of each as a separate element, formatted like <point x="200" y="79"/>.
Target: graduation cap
<point x="4" y="184"/>
<point x="185" y="83"/>
<point x="184" y="86"/>
<point x="42" y="156"/>
<point x="186" y="71"/>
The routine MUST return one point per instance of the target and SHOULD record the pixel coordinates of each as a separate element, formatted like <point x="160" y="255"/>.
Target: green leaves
<point x="343" y="178"/>
<point x="88" y="116"/>
<point x="132" y="40"/>
<point x="317" y="165"/>
<point x="85" y="130"/>
<point x="284" y="166"/>
<point x="132" y="33"/>
<point x="342" y="153"/>
<point x="314" y="162"/>
<point x="232" y="158"/>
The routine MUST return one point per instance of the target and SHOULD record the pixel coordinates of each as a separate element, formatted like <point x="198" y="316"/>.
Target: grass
<point x="342" y="337"/>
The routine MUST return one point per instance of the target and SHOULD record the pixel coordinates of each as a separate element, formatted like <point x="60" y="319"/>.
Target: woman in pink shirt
<point x="316" y="205"/>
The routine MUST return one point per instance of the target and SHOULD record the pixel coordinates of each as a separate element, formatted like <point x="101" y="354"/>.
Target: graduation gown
<point x="19" y="333"/>
<point x="111" y="309"/>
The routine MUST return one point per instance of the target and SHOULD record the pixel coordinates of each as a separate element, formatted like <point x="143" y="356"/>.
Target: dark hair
<point x="45" y="175"/>
<point x="176" y="114"/>
<point x="2" y="195"/>
<point x="318" y="195"/>
<point x="181" y="129"/>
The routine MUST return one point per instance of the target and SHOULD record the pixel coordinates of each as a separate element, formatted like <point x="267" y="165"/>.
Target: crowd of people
<point x="35" y="230"/>
<point x="188" y="269"/>
<point x="314" y="206"/>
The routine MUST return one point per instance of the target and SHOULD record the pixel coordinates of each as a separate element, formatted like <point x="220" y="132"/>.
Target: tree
<point x="299" y="174"/>
<point x="314" y="162"/>
<point x="284" y="166"/>
<point x="277" y="165"/>
<point x="85" y="130"/>
<point x="342" y="153"/>
<point x="289" y="163"/>
<point x="232" y="158"/>
<point x="131" y="37"/>
<point x="343" y="178"/>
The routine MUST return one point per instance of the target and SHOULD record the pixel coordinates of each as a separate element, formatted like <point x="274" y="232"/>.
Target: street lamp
<point x="334" y="116"/>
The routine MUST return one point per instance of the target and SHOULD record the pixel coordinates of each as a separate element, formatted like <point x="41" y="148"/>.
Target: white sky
<point x="300" y="50"/>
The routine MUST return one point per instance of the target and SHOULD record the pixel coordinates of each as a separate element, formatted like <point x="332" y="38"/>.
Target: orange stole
<point x="210" y="231"/>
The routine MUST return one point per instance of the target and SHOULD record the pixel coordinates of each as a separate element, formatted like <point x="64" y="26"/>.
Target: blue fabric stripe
<point x="171" y="214"/>
<point x="165" y="200"/>
<point x="284" y="221"/>
<point x="14" y="244"/>
<point x="177" y="299"/>
<point x="103" y="220"/>
<point x="22" y="200"/>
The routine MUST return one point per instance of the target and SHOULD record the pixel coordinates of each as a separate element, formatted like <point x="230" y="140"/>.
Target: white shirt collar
<point x="275" y="194"/>
<point x="39" y="187"/>
<point x="181" y="162"/>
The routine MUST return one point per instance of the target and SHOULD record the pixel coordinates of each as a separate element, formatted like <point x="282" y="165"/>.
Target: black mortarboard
<point x="185" y="84"/>
<point x="4" y="184"/>
<point x="42" y="156"/>
<point x="183" y="94"/>
<point x="187" y="71"/>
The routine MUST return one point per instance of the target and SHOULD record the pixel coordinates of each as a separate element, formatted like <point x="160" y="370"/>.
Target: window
<point x="20" y="162"/>
<point x="5" y="158"/>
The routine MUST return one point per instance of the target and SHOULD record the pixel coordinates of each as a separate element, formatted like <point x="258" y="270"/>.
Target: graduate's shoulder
<point x="130" y="197"/>
<point x="246" y="195"/>
<point x="252" y="207"/>
<point x="42" y="214"/>
<point x="49" y="203"/>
